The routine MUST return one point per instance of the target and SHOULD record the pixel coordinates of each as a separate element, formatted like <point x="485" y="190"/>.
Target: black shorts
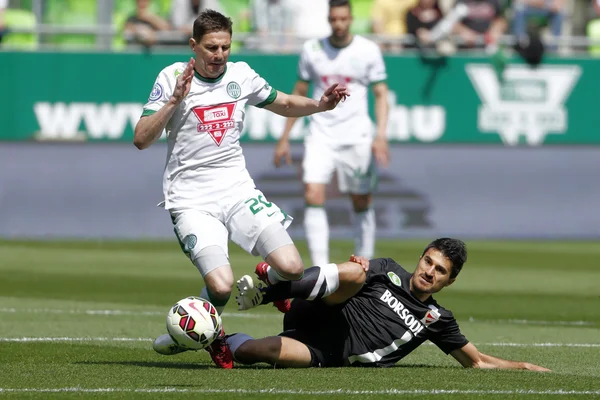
<point x="316" y="324"/>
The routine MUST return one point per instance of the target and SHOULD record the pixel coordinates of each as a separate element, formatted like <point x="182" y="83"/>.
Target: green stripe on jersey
<point x="148" y="112"/>
<point x="269" y="100"/>
<point x="210" y="80"/>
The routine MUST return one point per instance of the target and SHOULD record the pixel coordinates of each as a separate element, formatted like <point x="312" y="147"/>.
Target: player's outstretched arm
<point x="149" y="128"/>
<point x="289" y="105"/>
<point x="469" y="357"/>
<point x="380" y="146"/>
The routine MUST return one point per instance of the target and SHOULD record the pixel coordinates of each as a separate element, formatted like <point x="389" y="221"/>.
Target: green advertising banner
<point x="99" y="97"/>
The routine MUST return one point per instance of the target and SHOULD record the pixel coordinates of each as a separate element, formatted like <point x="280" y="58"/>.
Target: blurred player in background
<point x="341" y="141"/>
<point x="207" y="189"/>
<point x="365" y="313"/>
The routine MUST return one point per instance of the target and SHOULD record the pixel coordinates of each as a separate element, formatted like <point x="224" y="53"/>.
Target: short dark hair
<point x="211" y="21"/>
<point x="340" y="3"/>
<point x="453" y="249"/>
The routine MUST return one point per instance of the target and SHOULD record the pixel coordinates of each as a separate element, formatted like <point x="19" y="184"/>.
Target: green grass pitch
<point x="77" y="320"/>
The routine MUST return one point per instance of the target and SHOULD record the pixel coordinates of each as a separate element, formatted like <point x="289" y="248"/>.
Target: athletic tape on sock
<point x="328" y="276"/>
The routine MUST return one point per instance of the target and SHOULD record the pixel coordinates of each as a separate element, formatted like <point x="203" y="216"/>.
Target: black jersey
<point x="384" y="322"/>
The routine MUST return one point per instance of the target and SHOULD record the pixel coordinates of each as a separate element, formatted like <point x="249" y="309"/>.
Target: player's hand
<point x="282" y="150"/>
<point x="537" y="368"/>
<point x="381" y="151"/>
<point x="332" y="96"/>
<point x="183" y="83"/>
<point x="363" y="261"/>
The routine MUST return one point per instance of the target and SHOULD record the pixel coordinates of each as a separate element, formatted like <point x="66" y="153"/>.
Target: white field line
<point x="12" y="310"/>
<point x="126" y="339"/>
<point x="392" y="392"/>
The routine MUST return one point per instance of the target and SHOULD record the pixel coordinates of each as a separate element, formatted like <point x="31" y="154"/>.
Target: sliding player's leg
<point x="333" y="283"/>
<point x="274" y="350"/>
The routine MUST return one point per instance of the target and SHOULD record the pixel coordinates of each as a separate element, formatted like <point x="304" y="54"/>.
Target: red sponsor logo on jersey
<point x="215" y="120"/>
<point x="329" y="80"/>
<point x="431" y="317"/>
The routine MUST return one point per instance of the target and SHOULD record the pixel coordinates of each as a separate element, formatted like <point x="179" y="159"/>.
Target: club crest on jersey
<point x="189" y="242"/>
<point x="234" y="90"/>
<point x="157" y="92"/>
<point x="394" y="278"/>
<point x="433" y="315"/>
<point x="215" y="120"/>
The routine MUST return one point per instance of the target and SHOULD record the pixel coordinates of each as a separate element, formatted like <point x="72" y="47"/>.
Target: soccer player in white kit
<point x="207" y="189"/>
<point x="341" y="141"/>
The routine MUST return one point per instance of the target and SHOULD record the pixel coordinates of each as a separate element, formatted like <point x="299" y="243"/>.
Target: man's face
<point x="432" y="273"/>
<point x="212" y="53"/>
<point x="340" y="20"/>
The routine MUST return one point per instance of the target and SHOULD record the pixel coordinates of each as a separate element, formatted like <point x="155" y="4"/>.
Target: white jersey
<point x="357" y="66"/>
<point x="204" y="157"/>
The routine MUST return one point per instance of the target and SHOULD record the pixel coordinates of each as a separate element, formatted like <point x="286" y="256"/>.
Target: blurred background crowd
<point x="281" y="26"/>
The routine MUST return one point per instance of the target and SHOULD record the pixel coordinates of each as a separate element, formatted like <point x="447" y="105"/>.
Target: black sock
<point x="300" y="289"/>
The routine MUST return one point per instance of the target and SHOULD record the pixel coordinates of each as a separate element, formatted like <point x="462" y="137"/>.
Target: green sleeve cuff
<point x="269" y="100"/>
<point x="147" y="112"/>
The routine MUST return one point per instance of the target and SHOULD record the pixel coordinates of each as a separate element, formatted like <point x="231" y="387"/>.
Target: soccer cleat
<point x="165" y="345"/>
<point x="250" y="295"/>
<point x="261" y="271"/>
<point x="220" y="353"/>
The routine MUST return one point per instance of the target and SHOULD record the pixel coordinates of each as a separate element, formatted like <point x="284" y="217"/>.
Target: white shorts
<point x="353" y="163"/>
<point x="240" y="218"/>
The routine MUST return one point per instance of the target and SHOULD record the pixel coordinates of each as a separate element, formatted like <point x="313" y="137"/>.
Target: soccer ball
<point x="193" y="323"/>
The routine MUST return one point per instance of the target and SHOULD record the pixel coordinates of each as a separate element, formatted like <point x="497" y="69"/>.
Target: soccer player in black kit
<point x="364" y="313"/>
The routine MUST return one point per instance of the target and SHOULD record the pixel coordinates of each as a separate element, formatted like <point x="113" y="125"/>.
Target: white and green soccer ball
<point x="193" y="323"/>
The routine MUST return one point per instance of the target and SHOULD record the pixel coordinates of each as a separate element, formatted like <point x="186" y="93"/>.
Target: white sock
<point x="364" y="233"/>
<point x="218" y="304"/>
<point x="317" y="234"/>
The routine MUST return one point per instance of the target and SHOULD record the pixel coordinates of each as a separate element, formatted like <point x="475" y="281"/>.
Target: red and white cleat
<point x="220" y="353"/>
<point x="261" y="271"/>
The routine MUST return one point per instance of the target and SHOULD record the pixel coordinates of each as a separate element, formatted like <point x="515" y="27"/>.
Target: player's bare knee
<point x="219" y="282"/>
<point x="286" y="261"/>
<point x="290" y="268"/>
<point x="314" y="195"/>
<point x="295" y="270"/>
<point x="220" y="289"/>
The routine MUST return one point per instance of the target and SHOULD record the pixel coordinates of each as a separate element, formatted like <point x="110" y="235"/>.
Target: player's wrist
<point x="173" y="101"/>
<point x="321" y="106"/>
